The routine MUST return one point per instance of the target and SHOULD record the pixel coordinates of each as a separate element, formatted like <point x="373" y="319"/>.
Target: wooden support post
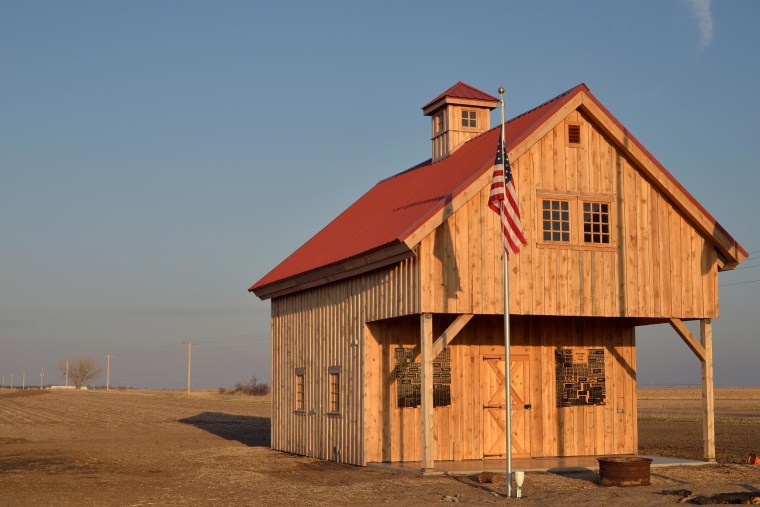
<point x="426" y="342"/>
<point x="703" y="350"/>
<point x="708" y="401"/>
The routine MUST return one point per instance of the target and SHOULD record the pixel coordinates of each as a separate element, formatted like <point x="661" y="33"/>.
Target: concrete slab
<point x="556" y="465"/>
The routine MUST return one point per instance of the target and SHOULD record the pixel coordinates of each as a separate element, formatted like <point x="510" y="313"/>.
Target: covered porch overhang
<point x="430" y="346"/>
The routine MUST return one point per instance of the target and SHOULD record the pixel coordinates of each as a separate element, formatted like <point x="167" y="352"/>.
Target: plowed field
<point x="159" y="448"/>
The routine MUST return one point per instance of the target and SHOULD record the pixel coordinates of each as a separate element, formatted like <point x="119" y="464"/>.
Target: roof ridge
<point x="472" y="88"/>
<point x="410" y="169"/>
<point x="546" y="102"/>
<point x="455" y="91"/>
<point x="429" y="161"/>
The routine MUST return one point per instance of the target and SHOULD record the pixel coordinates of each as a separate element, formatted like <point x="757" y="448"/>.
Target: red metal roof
<point x="397" y="206"/>
<point x="463" y="91"/>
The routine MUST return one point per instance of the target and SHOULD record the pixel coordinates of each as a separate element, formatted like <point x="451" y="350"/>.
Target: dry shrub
<point x="252" y="388"/>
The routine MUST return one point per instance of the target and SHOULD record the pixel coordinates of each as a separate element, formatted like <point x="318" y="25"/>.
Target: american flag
<point x="506" y="206"/>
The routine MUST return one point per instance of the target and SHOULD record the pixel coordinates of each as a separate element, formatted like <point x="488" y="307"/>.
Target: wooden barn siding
<point x="314" y="329"/>
<point x="659" y="267"/>
<point x="393" y="434"/>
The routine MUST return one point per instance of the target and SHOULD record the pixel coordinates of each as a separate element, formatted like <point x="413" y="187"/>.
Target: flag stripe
<point x="502" y="199"/>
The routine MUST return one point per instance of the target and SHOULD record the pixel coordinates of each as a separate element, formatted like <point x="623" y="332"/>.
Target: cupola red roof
<point x="462" y="91"/>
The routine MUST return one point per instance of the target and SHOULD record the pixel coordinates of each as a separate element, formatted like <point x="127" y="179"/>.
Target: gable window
<point x="573" y="220"/>
<point x="334" y="383"/>
<point x="300" y="385"/>
<point x="469" y="118"/>
<point x="596" y="222"/>
<point x="555" y="214"/>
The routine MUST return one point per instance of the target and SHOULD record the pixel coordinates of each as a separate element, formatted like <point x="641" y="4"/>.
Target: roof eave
<point x="704" y="222"/>
<point x="380" y="257"/>
<point x="434" y="106"/>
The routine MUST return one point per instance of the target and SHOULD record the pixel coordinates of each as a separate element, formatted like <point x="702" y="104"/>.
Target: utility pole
<point x="189" y="362"/>
<point x="23" y="382"/>
<point x="108" y="371"/>
<point x="67" y="374"/>
<point x="42" y="374"/>
<point x="12" y="380"/>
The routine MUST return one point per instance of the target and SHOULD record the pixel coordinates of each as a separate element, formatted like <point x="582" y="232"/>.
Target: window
<point x="556" y="220"/>
<point x="469" y="118"/>
<point x="439" y="123"/>
<point x="300" y="381"/>
<point x="334" y="376"/>
<point x="408" y="375"/>
<point x="582" y="221"/>
<point x="596" y="222"/>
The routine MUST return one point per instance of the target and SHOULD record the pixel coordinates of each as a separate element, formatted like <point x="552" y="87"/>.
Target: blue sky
<point x="156" y="158"/>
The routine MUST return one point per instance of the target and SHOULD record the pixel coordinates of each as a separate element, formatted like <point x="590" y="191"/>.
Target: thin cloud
<point x="700" y="9"/>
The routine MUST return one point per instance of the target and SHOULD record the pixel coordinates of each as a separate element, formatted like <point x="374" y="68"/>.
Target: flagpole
<point x="507" y="365"/>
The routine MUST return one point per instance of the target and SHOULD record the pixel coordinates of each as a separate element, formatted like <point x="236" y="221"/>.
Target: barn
<point x="387" y="325"/>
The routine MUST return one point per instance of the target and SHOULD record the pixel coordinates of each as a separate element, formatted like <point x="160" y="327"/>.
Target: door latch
<point x="528" y="406"/>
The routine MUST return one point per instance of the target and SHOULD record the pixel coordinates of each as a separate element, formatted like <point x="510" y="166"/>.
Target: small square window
<point x="556" y="220"/>
<point x="596" y="223"/>
<point x="469" y="119"/>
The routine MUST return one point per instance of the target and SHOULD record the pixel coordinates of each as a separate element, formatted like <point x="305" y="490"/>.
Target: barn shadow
<point x="252" y="431"/>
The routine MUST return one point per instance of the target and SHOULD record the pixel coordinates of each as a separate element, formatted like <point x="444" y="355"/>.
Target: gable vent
<point x="574" y="134"/>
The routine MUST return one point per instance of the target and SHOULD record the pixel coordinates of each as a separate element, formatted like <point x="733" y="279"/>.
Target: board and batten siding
<point x="658" y="265"/>
<point x="393" y="434"/>
<point x="323" y="327"/>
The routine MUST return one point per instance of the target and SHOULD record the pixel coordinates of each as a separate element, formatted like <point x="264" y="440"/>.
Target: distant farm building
<point x="614" y="242"/>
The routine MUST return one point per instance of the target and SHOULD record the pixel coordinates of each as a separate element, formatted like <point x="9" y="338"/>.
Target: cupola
<point x="458" y="114"/>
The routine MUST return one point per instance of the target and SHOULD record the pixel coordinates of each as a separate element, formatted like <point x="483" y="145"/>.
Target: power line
<point x="748" y="267"/>
<point x="243" y="346"/>
<point x="739" y="283"/>
<point x="242" y="337"/>
<point x="154" y="350"/>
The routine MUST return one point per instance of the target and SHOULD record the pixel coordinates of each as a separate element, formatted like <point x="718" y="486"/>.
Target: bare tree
<point x="82" y="370"/>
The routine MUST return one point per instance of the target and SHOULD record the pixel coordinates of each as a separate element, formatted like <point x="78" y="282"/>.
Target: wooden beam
<point x="692" y="342"/>
<point x="426" y="342"/>
<point x="451" y="332"/>
<point x="703" y="350"/>
<point x="708" y="400"/>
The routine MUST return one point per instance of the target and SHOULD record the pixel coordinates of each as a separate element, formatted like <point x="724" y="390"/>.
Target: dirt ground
<point x="162" y="448"/>
<point x="670" y="423"/>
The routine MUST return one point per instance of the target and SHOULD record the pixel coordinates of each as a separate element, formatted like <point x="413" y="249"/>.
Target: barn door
<point x="494" y="415"/>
